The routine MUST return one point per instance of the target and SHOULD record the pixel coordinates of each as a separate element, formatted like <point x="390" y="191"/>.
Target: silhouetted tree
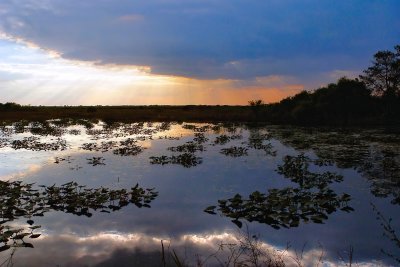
<point x="9" y="106"/>
<point x="256" y="105"/>
<point x="257" y="102"/>
<point x="383" y="77"/>
<point x="341" y="103"/>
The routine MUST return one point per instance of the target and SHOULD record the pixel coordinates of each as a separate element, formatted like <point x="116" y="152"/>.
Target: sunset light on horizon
<point x="216" y="53"/>
<point x="37" y="76"/>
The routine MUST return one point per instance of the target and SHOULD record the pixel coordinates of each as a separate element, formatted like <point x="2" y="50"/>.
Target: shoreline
<point x="189" y="113"/>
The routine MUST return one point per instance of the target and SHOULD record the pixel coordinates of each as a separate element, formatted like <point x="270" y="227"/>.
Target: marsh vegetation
<point x="282" y="183"/>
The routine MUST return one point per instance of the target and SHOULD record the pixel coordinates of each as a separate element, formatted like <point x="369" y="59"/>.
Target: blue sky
<point x="305" y="43"/>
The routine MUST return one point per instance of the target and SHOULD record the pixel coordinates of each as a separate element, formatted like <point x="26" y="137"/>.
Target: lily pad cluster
<point x="187" y="160"/>
<point x="296" y="168"/>
<point x="68" y="159"/>
<point x="18" y="199"/>
<point x="4" y="142"/>
<point x="102" y="147"/>
<point x="14" y="237"/>
<point x="234" y="151"/>
<point x="169" y="137"/>
<point x="222" y="139"/>
<point x="188" y="147"/>
<point x="200" y="138"/>
<point x="188" y="157"/>
<point x="128" y="148"/>
<point x="197" y="145"/>
<point x="257" y="141"/>
<point x="383" y="171"/>
<point x="45" y="128"/>
<point x="55" y="128"/>
<point x="74" y="132"/>
<point x="33" y="143"/>
<point x="196" y="128"/>
<point x="96" y="161"/>
<point x="375" y="154"/>
<point x="312" y="200"/>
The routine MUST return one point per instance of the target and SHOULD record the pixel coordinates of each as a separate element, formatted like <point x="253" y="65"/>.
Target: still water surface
<point x="307" y="195"/>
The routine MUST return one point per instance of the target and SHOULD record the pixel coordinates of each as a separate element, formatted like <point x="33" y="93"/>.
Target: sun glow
<point x="33" y="75"/>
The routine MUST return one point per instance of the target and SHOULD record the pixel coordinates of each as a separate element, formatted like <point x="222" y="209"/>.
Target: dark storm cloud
<point x="210" y="39"/>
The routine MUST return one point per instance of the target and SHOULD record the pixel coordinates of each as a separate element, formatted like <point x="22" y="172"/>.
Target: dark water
<point x="307" y="195"/>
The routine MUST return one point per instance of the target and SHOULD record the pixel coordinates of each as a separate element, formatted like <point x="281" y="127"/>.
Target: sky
<point x="130" y="52"/>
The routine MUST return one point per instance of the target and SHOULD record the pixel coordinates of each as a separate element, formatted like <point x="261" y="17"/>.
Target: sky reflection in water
<point x="184" y="191"/>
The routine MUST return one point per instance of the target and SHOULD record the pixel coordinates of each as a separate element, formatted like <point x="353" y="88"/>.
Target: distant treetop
<point x="383" y="77"/>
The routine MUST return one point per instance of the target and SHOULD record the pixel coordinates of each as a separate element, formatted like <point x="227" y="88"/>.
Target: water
<point x="331" y="198"/>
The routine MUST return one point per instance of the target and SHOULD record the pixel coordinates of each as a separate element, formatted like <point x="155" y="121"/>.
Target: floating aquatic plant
<point x="187" y="160"/>
<point x="18" y="199"/>
<point x="131" y="150"/>
<point x="188" y="147"/>
<point x="32" y="143"/>
<point x="222" y="139"/>
<point x="200" y="138"/>
<point x="102" y="147"/>
<point x="234" y="151"/>
<point x="196" y="128"/>
<point x="57" y="160"/>
<point x="11" y="237"/>
<point x="312" y="200"/>
<point x="4" y="142"/>
<point x="96" y="161"/>
<point x="296" y="168"/>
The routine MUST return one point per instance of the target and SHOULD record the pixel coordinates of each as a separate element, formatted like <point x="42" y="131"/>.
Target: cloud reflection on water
<point x="125" y="249"/>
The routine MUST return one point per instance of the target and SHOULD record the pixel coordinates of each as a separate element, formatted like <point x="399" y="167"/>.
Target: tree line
<point x="373" y="98"/>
